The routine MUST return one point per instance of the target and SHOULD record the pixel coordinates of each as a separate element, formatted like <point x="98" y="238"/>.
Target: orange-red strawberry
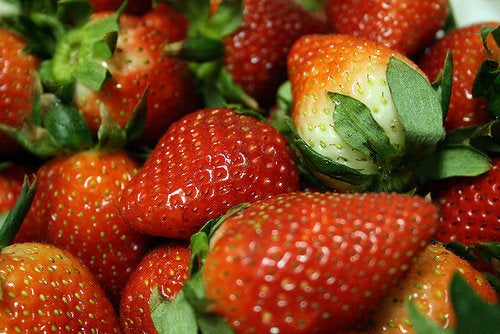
<point x="468" y="51"/>
<point x="404" y="25"/>
<point x="427" y="286"/>
<point x="313" y="262"/>
<point x="138" y="64"/>
<point x="162" y="271"/>
<point x="207" y="162"/>
<point x="19" y="85"/>
<point x="469" y="207"/>
<point x="47" y="289"/>
<point x="75" y="209"/>
<point x="364" y="115"/>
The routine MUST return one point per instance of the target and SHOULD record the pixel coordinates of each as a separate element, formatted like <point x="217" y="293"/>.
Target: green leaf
<point x="485" y="32"/>
<point x="174" y="317"/>
<point x="357" y="127"/>
<point x="320" y="164"/>
<point x="10" y="225"/>
<point x="422" y="324"/>
<point x="454" y="160"/>
<point x="136" y="122"/>
<point x="418" y="106"/>
<point x="474" y="315"/>
<point x="110" y="135"/>
<point x="66" y="125"/>
<point x="444" y="82"/>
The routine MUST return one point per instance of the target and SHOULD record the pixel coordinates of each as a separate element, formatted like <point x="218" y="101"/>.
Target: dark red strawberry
<point x="138" y="64"/>
<point x="406" y="26"/>
<point x="11" y="181"/>
<point x="19" y="86"/>
<point x="469" y="207"/>
<point x="255" y="54"/>
<point x="207" y="162"/>
<point x="160" y="274"/>
<point x="468" y="52"/>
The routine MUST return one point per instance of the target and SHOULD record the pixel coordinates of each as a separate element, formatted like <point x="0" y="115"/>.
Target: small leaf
<point x="10" y="225"/>
<point x="474" y="315"/>
<point x="65" y="124"/>
<point x="135" y="124"/>
<point x="110" y="135"/>
<point x="443" y="83"/>
<point x="422" y="324"/>
<point x="357" y="127"/>
<point x="454" y="160"/>
<point x="318" y="163"/>
<point x="418" y="106"/>
<point x="176" y="316"/>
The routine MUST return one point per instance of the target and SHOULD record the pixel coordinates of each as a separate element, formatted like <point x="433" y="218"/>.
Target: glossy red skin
<point x="166" y="267"/>
<point x="468" y="54"/>
<point x="207" y="162"/>
<point x="18" y="86"/>
<point x="138" y="63"/>
<point x="469" y="207"/>
<point x="407" y="26"/>
<point x="428" y="286"/>
<point x="313" y="262"/>
<point x="75" y="209"/>
<point x="256" y="52"/>
<point x="46" y="289"/>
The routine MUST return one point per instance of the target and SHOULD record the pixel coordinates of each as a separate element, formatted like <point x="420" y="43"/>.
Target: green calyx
<point x="81" y="53"/>
<point x="189" y="312"/>
<point x="421" y="108"/>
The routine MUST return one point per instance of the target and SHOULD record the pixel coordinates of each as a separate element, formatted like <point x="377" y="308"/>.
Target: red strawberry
<point x="11" y="181"/>
<point x="313" y="262"/>
<point x="137" y="64"/>
<point x="469" y="207"/>
<point x="407" y="26"/>
<point x="47" y="289"/>
<point x="19" y="86"/>
<point x="255" y="54"/>
<point x="74" y="208"/>
<point x="364" y="115"/>
<point x="164" y="270"/>
<point x="207" y="162"/>
<point x="468" y="54"/>
<point x="428" y="287"/>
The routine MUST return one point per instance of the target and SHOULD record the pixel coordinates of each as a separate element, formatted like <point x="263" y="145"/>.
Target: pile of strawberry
<point x="252" y="166"/>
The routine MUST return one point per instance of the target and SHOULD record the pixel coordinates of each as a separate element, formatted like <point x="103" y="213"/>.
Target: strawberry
<point x="406" y="26"/>
<point x="136" y="66"/>
<point x="75" y="209"/>
<point x="468" y="206"/>
<point x="469" y="53"/>
<point x="427" y="286"/>
<point x="19" y="88"/>
<point x="11" y="181"/>
<point x="251" y="50"/>
<point x="162" y="271"/>
<point x="364" y="116"/>
<point x="310" y="262"/>
<point x="255" y="54"/>
<point x="207" y="162"/>
<point x="46" y="289"/>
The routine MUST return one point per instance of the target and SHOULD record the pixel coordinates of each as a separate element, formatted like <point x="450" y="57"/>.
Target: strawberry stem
<point x="14" y="219"/>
